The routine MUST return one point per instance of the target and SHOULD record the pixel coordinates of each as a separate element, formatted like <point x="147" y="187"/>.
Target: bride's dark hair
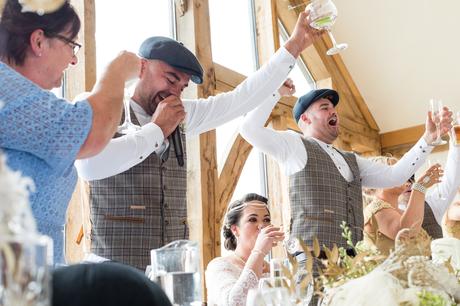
<point x="233" y="216"/>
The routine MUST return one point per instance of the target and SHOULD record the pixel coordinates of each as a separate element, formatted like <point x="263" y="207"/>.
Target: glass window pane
<point x="124" y="27"/>
<point x="231" y="34"/>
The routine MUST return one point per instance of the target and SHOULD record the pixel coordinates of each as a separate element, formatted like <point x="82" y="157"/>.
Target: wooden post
<point x="193" y="29"/>
<point x="79" y="79"/>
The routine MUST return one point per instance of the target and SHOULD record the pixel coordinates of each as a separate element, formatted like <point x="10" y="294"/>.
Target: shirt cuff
<point x="284" y="60"/>
<point x="152" y="135"/>
<point x="424" y="147"/>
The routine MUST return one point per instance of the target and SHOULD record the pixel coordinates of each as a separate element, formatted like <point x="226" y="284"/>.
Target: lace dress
<point x="228" y="283"/>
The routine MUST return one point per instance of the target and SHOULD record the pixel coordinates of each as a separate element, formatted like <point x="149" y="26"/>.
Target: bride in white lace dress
<point x="248" y="232"/>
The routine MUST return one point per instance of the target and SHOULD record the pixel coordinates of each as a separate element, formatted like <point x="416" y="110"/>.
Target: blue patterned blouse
<point x="41" y="136"/>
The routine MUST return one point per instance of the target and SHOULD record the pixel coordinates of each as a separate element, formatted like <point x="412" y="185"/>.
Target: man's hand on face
<point x="168" y="114"/>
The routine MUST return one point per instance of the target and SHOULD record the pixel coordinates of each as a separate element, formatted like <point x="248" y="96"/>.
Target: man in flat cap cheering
<point x="324" y="182"/>
<point x="137" y="194"/>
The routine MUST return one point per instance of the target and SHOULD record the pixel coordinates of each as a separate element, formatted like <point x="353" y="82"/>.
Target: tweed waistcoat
<point x="429" y="223"/>
<point x="140" y="209"/>
<point x="321" y="199"/>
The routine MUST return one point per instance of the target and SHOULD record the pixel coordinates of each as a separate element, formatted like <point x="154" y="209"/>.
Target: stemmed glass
<point x="323" y="14"/>
<point x="455" y="135"/>
<point x="436" y="115"/>
<point x="127" y="127"/>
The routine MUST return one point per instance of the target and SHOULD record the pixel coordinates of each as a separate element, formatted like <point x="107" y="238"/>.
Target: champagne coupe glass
<point x="436" y="115"/>
<point x="438" y="191"/>
<point x="323" y="14"/>
<point x="128" y="127"/>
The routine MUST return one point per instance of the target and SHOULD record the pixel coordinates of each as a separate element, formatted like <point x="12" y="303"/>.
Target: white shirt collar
<point x="137" y="108"/>
<point x="322" y="143"/>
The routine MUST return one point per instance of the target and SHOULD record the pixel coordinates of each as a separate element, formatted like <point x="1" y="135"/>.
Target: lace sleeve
<point x="228" y="285"/>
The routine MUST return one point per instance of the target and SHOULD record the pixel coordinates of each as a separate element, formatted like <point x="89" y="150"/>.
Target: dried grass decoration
<point x="406" y="277"/>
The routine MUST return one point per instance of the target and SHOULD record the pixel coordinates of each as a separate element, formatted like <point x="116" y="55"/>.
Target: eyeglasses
<point x="75" y="46"/>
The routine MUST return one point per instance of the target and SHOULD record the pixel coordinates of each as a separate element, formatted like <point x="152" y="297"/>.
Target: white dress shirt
<point x="201" y="115"/>
<point x="288" y="149"/>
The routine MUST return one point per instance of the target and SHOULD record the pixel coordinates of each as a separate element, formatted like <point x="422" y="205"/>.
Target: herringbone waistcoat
<point x="429" y="223"/>
<point x="321" y="199"/>
<point x="140" y="209"/>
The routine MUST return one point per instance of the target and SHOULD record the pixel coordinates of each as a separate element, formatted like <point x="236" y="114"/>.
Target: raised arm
<point x="283" y="146"/>
<point x="376" y="175"/>
<point x="106" y="102"/>
<point x="206" y="114"/>
<point x="391" y="222"/>
<point x="439" y="201"/>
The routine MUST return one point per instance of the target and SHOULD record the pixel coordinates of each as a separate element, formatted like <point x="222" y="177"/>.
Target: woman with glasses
<point x="41" y="134"/>
<point x="382" y="217"/>
<point x="248" y="232"/>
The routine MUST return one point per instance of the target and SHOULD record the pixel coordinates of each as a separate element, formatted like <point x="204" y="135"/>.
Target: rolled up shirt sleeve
<point x="121" y="153"/>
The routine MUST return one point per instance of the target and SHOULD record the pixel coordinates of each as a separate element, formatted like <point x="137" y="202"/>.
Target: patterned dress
<point x="41" y="136"/>
<point x="375" y="238"/>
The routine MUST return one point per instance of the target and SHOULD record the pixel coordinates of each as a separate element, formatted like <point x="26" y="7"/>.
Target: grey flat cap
<point x="174" y="54"/>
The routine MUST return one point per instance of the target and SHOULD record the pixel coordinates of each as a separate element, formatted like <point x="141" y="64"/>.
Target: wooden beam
<point x="193" y="29"/>
<point x="79" y="79"/>
<point x="227" y="79"/>
<point x="267" y="34"/>
<point x="231" y="173"/>
<point x="399" y="142"/>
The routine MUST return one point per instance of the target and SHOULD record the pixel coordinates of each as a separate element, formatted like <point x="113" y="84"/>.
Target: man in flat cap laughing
<point x="137" y="194"/>
<point x="324" y="182"/>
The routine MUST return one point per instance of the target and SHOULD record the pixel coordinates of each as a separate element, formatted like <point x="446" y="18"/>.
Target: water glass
<point x="176" y="269"/>
<point x="25" y="278"/>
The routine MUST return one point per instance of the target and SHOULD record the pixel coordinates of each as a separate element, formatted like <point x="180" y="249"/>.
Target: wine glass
<point x="127" y="127"/>
<point x="436" y="115"/>
<point x="323" y="14"/>
<point x="455" y="135"/>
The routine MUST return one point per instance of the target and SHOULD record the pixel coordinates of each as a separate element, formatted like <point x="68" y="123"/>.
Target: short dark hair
<point x="233" y="216"/>
<point x="16" y="28"/>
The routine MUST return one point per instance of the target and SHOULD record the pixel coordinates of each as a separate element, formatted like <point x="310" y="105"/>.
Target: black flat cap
<point x="105" y="284"/>
<point x="174" y="54"/>
<point x="306" y="100"/>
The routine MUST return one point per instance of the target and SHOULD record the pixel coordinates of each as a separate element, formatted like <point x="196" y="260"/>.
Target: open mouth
<point x="333" y="121"/>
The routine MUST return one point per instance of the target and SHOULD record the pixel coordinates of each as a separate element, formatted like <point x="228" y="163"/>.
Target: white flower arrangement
<point x="37" y="6"/>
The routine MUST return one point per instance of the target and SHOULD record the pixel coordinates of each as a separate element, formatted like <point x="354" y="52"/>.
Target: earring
<point x="39" y="54"/>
